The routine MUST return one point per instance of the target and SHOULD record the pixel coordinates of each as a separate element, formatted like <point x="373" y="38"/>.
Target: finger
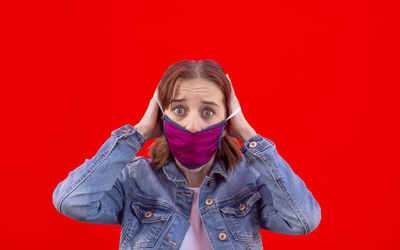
<point x="156" y="91"/>
<point x="157" y="99"/>
<point x="233" y="101"/>
<point x="231" y="85"/>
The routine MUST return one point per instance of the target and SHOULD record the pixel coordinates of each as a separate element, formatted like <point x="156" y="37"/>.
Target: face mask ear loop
<point x="158" y="101"/>
<point x="234" y="113"/>
<point x="227" y="76"/>
<point x="238" y="109"/>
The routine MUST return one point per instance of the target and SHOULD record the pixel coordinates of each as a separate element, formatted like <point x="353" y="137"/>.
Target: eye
<point x="179" y="110"/>
<point x="208" y="112"/>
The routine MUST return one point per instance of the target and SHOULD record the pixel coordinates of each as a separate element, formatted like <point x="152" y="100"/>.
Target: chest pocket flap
<point x="145" y="224"/>
<point x="242" y="205"/>
<point x="242" y="216"/>
<point x="151" y="214"/>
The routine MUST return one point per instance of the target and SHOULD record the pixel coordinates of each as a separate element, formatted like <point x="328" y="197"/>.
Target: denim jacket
<point x="153" y="206"/>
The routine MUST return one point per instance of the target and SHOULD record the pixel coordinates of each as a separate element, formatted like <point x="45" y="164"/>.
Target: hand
<point x="149" y="126"/>
<point x="238" y="127"/>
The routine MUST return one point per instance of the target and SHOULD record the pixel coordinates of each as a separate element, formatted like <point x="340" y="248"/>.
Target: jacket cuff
<point x="256" y="145"/>
<point x="133" y="137"/>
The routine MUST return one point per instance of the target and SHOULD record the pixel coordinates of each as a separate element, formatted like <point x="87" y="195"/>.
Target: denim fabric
<point x="153" y="206"/>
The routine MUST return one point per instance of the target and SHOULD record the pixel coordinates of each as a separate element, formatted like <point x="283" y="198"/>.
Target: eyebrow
<point x="204" y="102"/>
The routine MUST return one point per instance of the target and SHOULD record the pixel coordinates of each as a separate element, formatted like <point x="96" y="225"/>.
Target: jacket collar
<point x="174" y="174"/>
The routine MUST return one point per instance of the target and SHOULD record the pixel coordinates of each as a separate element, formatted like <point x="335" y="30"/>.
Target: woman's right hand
<point x="150" y="126"/>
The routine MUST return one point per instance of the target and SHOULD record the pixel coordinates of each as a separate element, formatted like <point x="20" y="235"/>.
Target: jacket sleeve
<point x="287" y="206"/>
<point x="94" y="192"/>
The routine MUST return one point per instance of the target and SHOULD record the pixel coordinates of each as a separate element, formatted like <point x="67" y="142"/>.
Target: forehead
<point x="199" y="89"/>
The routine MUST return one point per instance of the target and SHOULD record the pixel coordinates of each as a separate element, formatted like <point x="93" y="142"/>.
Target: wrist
<point x="142" y="131"/>
<point x="246" y="134"/>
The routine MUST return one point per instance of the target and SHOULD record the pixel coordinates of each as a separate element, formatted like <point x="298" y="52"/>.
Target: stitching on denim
<point x="127" y="226"/>
<point x="250" y="201"/>
<point x="110" y="213"/>
<point x="153" y="202"/>
<point x="234" y="234"/>
<point x="133" y="143"/>
<point x="287" y="196"/>
<point x="294" y="207"/>
<point x="137" y="208"/>
<point x="208" y="208"/>
<point x="131" y="169"/>
<point x="67" y="192"/>
<point x="148" y="243"/>
<point x="163" y="222"/>
<point x="227" y="243"/>
<point x="244" y="191"/>
<point x="184" y="194"/>
<point x="171" y="242"/>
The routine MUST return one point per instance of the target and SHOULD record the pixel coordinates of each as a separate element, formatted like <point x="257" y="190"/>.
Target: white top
<point x="196" y="237"/>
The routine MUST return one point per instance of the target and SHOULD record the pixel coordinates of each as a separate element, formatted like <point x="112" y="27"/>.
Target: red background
<point x="316" y="77"/>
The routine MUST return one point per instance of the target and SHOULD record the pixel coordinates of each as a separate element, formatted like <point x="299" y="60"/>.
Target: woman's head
<point x="195" y="95"/>
<point x="190" y="70"/>
<point x="196" y="104"/>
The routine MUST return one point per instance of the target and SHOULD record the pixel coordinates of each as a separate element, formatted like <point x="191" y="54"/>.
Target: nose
<point x="193" y="123"/>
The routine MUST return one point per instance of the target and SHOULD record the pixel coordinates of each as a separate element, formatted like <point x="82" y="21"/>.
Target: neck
<point x="195" y="177"/>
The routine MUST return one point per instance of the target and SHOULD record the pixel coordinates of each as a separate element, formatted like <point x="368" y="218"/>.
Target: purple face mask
<point x="193" y="150"/>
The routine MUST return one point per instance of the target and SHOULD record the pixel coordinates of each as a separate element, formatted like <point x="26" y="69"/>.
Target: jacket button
<point x="253" y="144"/>
<point x="222" y="236"/>
<point x="209" y="202"/>
<point x="210" y="182"/>
<point x="126" y="130"/>
<point x="148" y="214"/>
<point x="242" y="207"/>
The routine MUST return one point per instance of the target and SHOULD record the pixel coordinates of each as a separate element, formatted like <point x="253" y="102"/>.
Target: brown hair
<point x="229" y="152"/>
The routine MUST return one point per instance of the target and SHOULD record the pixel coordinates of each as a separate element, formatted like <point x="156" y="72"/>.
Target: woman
<point x="199" y="190"/>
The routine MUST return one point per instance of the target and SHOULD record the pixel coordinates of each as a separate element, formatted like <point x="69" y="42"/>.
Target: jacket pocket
<point x="144" y="224"/>
<point x="242" y="216"/>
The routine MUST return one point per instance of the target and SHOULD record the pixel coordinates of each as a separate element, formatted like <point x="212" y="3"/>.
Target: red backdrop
<point x="316" y="77"/>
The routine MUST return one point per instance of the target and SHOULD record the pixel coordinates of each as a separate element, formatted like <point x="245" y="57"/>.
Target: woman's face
<point x="196" y="104"/>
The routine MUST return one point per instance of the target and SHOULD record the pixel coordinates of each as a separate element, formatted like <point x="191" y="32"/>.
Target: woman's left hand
<point x="238" y="126"/>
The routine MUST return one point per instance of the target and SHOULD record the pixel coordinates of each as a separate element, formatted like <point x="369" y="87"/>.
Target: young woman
<point x="199" y="190"/>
